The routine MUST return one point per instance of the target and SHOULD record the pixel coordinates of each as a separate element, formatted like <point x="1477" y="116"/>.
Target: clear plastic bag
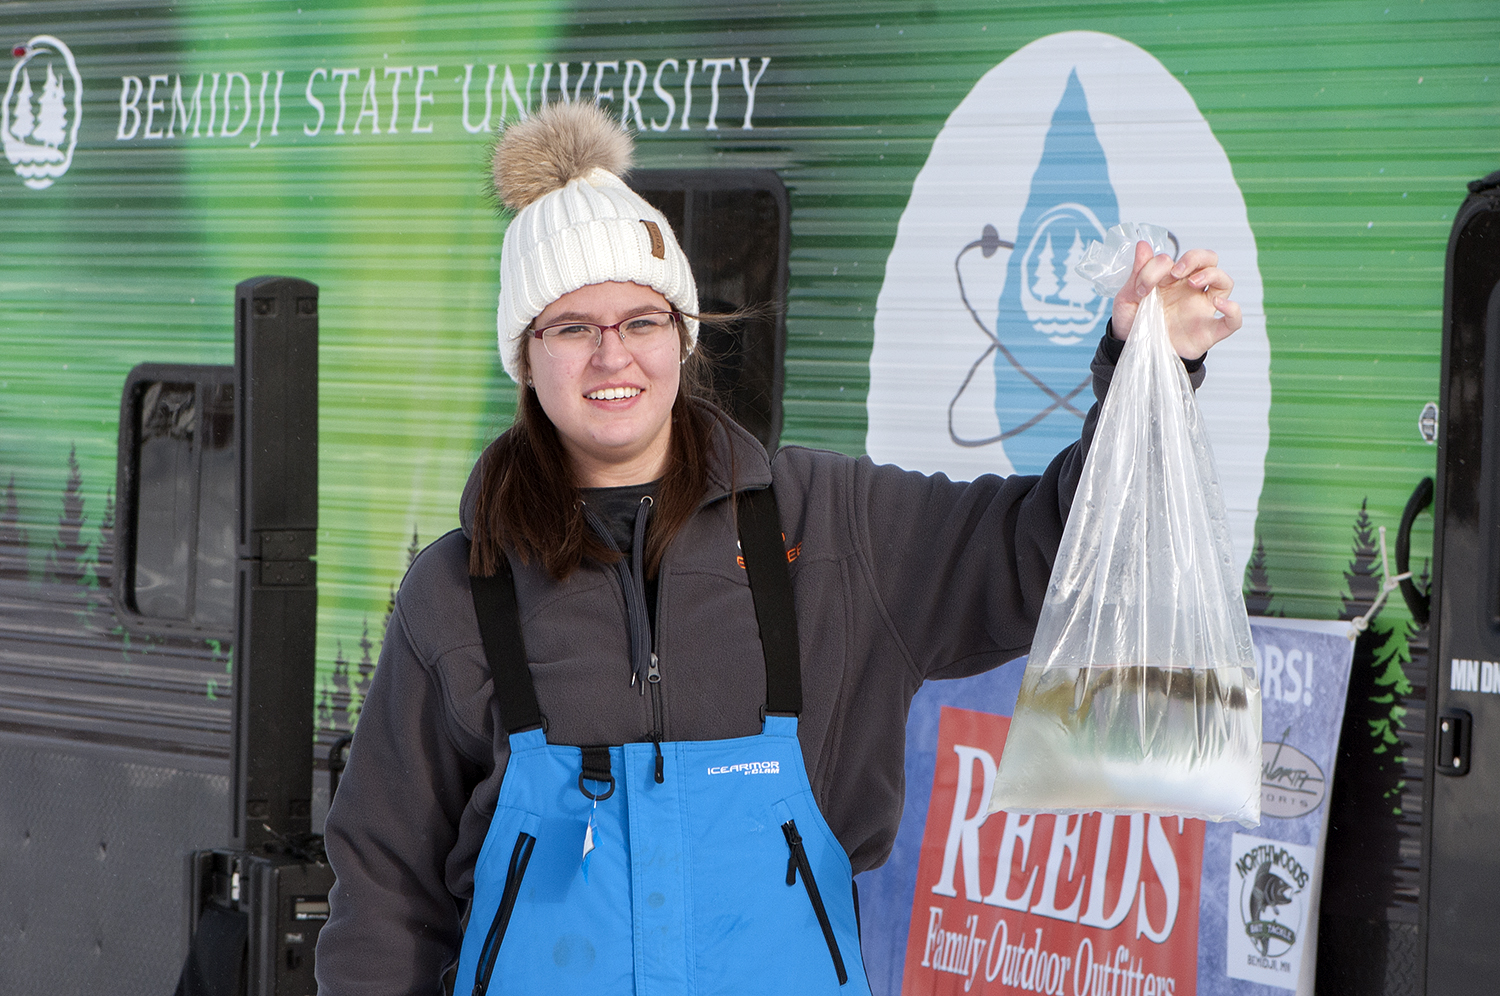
<point x="1140" y="693"/>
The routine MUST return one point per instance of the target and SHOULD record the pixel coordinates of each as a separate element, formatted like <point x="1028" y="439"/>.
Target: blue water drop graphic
<point x="1049" y="318"/>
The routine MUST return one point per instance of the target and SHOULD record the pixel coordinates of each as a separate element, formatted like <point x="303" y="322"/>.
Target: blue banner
<point x="1256" y="889"/>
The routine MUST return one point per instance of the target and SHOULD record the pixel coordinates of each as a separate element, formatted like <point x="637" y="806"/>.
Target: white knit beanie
<point x="576" y="222"/>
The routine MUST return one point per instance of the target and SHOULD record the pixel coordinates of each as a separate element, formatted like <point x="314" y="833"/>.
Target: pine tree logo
<point x="1060" y="304"/>
<point x="42" y="110"/>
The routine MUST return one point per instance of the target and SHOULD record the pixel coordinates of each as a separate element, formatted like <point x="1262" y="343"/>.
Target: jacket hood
<point x="737" y="462"/>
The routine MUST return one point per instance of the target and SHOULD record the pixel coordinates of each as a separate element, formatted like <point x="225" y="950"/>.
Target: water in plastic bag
<point x="1140" y="692"/>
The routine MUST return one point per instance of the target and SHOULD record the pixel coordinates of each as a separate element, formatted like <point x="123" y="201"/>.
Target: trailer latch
<point x="1455" y="727"/>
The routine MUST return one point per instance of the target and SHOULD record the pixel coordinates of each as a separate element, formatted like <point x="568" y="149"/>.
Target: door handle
<point x="1419" y="603"/>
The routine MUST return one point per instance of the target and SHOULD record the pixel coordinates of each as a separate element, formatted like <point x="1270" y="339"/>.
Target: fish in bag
<point x="1140" y="693"/>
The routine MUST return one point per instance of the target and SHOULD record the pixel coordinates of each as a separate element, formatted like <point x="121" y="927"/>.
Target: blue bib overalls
<point x="689" y="867"/>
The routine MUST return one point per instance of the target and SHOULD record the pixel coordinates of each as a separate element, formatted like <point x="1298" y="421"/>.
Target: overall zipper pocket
<point x="519" y="858"/>
<point x="796" y="862"/>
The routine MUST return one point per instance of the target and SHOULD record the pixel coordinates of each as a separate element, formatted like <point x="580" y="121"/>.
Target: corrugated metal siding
<point x="1350" y="126"/>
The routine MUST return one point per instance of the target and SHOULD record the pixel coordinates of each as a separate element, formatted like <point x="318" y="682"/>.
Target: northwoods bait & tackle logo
<point x="1269" y="879"/>
<point x="42" y="110"/>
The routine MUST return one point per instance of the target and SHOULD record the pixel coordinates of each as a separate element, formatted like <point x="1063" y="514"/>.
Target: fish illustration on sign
<point x="1268" y="891"/>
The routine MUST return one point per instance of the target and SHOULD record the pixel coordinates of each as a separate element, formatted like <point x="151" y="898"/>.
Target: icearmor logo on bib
<point x="42" y="110"/>
<point x="748" y="768"/>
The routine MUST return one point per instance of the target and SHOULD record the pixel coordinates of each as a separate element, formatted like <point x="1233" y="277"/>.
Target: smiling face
<point x="613" y="408"/>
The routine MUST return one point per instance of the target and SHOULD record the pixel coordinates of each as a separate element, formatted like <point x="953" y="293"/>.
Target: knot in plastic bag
<point x="1107" y="264"/>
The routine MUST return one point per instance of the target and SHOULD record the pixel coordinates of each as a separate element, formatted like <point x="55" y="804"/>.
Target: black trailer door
<point x="1462" y="898"/>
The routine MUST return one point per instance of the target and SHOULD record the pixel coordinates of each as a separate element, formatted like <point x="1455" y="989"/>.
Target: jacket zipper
<point x="636" y="618"/>
<point x="797" y="861"/>
<point x="520" y="857"/>
<point x="653" y="678"/>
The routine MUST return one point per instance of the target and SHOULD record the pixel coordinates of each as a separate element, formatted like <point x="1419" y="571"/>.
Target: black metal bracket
<point x="1454" y="731"/>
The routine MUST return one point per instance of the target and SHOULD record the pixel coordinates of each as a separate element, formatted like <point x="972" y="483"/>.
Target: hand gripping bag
<point x="1140" y="693"/>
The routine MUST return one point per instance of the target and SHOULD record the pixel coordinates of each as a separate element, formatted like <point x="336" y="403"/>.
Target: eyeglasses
<point x="579" y="340"/>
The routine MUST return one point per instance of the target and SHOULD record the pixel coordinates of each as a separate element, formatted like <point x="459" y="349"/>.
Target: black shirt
<point x="617" y="508"/>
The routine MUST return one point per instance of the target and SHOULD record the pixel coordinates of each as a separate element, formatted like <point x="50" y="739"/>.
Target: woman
<point x="687" y="747"/>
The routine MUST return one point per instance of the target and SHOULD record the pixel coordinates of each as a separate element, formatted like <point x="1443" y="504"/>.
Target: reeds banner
<point x="944" y="164"/>
<point x="978" y="902"/>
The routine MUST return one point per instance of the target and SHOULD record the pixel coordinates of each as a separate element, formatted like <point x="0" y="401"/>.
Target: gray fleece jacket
<point x="898" y="577"/>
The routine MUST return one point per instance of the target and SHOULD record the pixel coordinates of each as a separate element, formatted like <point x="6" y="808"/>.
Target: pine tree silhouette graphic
<point x="65" y="561"/>
<point x="342" y="719"/>
<point x="1363" y="837"/>
<point x="52" y="118"/>
<point x="25" y="120"/>
<point x="1258" y="593"/>
<point x="1363" y="573"/>
<point x="14" y="542"/>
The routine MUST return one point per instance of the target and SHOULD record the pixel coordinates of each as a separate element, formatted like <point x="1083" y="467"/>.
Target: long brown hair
<point x="529" y="499"/>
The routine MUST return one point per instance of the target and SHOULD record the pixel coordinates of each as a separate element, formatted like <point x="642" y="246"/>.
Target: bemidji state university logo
<point x="42" y="110"/>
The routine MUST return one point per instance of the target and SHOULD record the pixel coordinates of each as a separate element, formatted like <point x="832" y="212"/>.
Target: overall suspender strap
<point x="771" y="587"/>
<point x="504" y="648"/>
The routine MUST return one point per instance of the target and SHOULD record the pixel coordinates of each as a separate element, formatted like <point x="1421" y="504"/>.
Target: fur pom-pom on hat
<point x="576" y="222"/>
<point x="560" y="144"/>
